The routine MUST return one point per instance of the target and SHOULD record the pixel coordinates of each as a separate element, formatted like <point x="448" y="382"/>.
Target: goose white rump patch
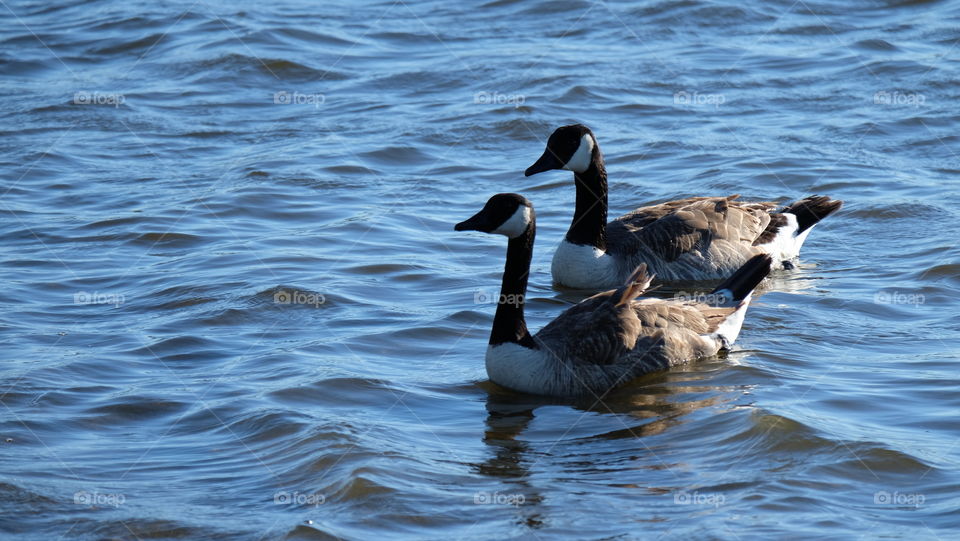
<point x="785" y="244"/>
<point x="729" y="329"/>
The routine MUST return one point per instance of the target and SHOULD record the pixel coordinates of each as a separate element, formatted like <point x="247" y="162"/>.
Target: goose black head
<point x="569" y="147"/>
<point x="506" y="214"/>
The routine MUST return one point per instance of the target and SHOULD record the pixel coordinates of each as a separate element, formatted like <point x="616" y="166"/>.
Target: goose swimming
<point x="699" y="238"/>
<point x="607" y="339"/>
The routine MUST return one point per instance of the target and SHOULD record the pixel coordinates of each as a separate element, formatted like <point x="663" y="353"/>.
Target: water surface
<point x="236" y="307"/>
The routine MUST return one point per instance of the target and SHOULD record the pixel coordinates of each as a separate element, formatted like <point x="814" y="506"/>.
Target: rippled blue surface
<point x="173" y="172"/>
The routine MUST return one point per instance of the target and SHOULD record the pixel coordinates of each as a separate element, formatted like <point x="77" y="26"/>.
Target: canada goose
<point x="700" y="238"/>
<point x="609" y="338"/>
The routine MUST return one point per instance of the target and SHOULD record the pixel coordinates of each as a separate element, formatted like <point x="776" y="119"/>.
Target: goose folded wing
<point x="682" y="325"/>
<point x="652" y="331"/>
<point x="595" y="331"/>
<point x="675" y="228"/>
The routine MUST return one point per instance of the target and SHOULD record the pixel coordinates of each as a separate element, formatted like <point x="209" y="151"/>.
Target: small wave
<point x="553" y="7"/>
<point x="382" y="268"/>
<point x="145" y="528"/>
<point x="212" y="134"/>
<point x="395" y="155"/>
<point x="822" y="29"/>
<point x="289" y="68"/>
<point x="894" y="68"/>
<point x="948" y="272"/>
<point x="274" y="67"/>
<point x="189" y="349"/>
<point x="337" y="392"/>
<point x="578" y="93"/>
<point x="136" y="409"/>
<point x="266" y="426"/>
<point x="309" y="36"/>
<point x="770" y="432"/>
<point x="360" y="487"/>
<point x="168" y="239"/>
<point x="14" y="67"/>
<point x="494" y="4"/>
<point x="10" y="493"/>
<point x="895" y="211"/>
<point x="876" y="44"/>
<point x="865" y="460"/>
<point x="346" y="169"/>
<point x="136" y="46"/>
<point x="116" y="222"/>
<point x="181" y="296"/>
<point x="311" y="532"/>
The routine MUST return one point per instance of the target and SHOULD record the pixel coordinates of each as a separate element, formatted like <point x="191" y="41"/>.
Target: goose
<point x="607" y="339"/>
<point x="699" y="238"/>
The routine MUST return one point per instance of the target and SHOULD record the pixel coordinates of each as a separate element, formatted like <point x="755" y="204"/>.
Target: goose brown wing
<point x="681" y="327"/>
<point x="677" y="227"/>
<point x="595" y="331"/>
<point x="599" y="331"/>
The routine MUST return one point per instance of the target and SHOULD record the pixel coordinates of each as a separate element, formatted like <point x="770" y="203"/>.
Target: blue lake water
<point x="235" y="306"/>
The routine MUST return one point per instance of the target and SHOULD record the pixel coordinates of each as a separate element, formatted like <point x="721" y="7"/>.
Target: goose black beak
<point x="546" y="162"/>
<point x="477" y="222"/>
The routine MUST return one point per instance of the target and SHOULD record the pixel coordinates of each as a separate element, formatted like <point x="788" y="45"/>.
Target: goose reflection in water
<point x="647" y="407"/>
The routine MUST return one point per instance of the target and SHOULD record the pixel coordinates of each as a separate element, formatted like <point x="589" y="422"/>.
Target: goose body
<point x="698" y="238"/>
<point x="609" y="338"/>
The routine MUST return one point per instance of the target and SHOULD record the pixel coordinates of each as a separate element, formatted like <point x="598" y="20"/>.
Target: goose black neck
<point x="509" y="324"/>
<point x="589" y="226"/>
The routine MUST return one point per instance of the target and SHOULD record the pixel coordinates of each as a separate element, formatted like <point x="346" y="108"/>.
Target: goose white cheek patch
<point x="516" y="224"/>
<point x="580" y="161"/>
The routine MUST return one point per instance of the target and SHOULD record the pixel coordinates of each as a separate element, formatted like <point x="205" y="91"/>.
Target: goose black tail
<point x="811" y="210"/>
<point x="746" y="279"/>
